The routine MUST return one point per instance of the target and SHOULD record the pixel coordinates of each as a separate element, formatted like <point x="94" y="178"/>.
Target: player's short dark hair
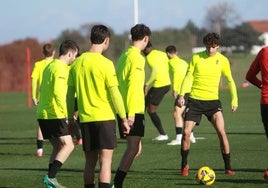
<point x="68" y="45"/>
<point x="149" y="45"/>
<point x="211" y="39"/>
<point x="148" y="48"/>
<point x="171" y="49"/>
<point x="48" y="49"/>
<point x="99" y="33"/>
<point x="139" y="31"/>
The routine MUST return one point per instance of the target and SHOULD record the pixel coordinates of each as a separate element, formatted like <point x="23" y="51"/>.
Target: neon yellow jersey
<point x="91" y="76"/>
<point x="53" y="91"/>
<point x="158" y="63"/>
<point x="204" y="74"/>
<point x="178" y="68"/>
<point x="131" y="77"/>
<point x="37" y="74"/>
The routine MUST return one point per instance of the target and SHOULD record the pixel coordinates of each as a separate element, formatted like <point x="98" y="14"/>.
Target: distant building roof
<point x="259" y="25"/>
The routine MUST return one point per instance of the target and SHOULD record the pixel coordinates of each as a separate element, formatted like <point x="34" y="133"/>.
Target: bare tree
<point x="220" y="16"/>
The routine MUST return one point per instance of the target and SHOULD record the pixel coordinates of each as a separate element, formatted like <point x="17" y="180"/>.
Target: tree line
<point x="13" y="74"/>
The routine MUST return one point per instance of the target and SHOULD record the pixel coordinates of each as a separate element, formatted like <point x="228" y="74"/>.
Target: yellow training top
<point x="37" y="74"/>
<point x="131" y="77"/>
<point x="91" y="77"/>
<point x="178" y="68"/>
<point x="158" y="63"/>
<point x="53" y="91"/>
<point x="204" y="74"/>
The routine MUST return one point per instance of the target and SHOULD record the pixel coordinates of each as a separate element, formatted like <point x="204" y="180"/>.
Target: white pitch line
<point x="200" y="138"/>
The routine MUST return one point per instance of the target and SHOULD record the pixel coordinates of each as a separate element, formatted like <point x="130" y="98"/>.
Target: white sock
<point x="40" y="150"/>
<point x="178" y="136"/>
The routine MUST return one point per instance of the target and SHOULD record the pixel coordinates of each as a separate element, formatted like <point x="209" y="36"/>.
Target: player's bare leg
<point x="39" y="142"/>
<point x="133" y="149"/>
<point x="105" y="161"/>
<point x="188" y="127"/>
<point x="89" y="170"/>
<point x="151" y="109"/>
<point x="185" y="147"/>
<point x="178" y="119"/>
<point x="218" y="122"/>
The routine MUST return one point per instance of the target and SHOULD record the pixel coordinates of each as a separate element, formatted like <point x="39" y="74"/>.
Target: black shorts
<point x="53" y="128"/>
<point x="137" y="128"/>
<point x="98" y="135"/>
<point x="264" y="117"/>
<point x="156" y="94"/>
<point x="195" y="109"/>
<point x="264" y="113"/>
<point x="186" y="97"/>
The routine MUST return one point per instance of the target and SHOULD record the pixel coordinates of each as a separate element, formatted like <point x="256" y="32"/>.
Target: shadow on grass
<point x="24" y="169"/>
<point x="233" y="133"/>
<point x="168" y="174"/>
<point x="244" y="133"/>
<point x="44" y="169"/>
<point x="15" y="154"/>
<point x="17" y="141"/>
<point x="244" y="181"/>
<point x="17" y="138"/>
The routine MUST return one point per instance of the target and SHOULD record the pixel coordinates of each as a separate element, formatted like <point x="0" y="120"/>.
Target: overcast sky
<point x="45" y="20"/>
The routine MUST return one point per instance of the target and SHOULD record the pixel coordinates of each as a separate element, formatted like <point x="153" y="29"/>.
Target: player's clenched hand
<point x="181" y="101"/>
<point x="35" y="101"/>
<point x="234" y="108"/>
<point x="145" y="89"/>
<point x="76" y="115"/>
<point x="130" y="121"/>
<point x="71" y="124"/>
<point x="126" y="127"/>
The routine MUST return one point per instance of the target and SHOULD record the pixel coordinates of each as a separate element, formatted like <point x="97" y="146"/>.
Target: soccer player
<point x="259" y="65"/>
<point x="178" y="68"/>
<point x="52" y="110"/>
<point x="39" y="66"/>
<point x="203" y="75"/>
<point x="93" y="79"/>
<point x="160" y="80"/>
<point x="131" y="77"/>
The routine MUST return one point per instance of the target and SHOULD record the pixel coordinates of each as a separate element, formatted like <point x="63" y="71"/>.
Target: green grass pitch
<point x="159" y="164"/>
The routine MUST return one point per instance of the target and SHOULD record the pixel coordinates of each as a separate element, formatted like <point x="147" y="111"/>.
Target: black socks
<point x="119" y="178"/>
<point x="54" y="168"/>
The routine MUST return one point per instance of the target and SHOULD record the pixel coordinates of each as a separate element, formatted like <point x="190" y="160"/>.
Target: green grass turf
<point x="159" y="164"/>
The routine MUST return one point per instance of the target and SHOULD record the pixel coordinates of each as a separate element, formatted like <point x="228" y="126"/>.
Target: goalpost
<point x="28" y="62"/>
<point x="136" y="12"/>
